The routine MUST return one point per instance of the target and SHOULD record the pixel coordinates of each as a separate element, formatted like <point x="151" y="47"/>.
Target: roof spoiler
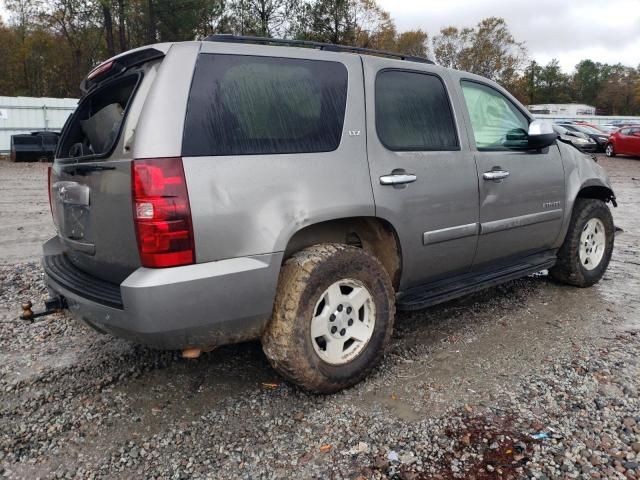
<point x="121" y="63"/>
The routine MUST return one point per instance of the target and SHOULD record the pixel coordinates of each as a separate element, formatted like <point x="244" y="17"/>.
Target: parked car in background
<point x="609" y="128"/>
<point x="578" y="139"/>
<point x="600" y="128"/>
<point x="625" y="141"/>
<point x="34" y="147"/>
<point x="596" y="135"/>
<point x="625" y="123"/>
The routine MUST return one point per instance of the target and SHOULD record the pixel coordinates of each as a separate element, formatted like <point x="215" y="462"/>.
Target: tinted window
<point x="625" y="131"/>
<point x="246" y="105"/>
<point x="496" y="121"/>
<point x="413" y="112"/>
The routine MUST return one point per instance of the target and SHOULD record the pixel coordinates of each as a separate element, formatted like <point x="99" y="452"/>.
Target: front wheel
<point x="587" y="248"/>
<point x="332" y="317"/>
<point x="608" y="150"/>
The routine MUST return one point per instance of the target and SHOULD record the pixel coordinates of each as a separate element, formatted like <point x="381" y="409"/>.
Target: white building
<point x="569" y="109"/>
<point x="28" y="114"/>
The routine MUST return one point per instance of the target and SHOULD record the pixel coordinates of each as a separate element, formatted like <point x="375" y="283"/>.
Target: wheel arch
<point x="597" y="191"/>
<point x="373" y="234"/>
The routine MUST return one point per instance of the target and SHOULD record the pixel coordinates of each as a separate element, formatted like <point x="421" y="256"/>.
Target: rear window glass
<point x="95" y="126"/>
<point x="413" y="112"/>
<point x="250" y="105"/>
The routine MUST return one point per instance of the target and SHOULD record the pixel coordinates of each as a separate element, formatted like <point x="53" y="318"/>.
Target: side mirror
<point x="541" y="134"/>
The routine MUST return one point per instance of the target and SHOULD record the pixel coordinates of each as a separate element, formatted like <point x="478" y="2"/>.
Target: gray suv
<point x="235" y="189"/>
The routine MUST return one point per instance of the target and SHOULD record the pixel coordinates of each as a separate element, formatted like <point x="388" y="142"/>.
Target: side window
<point x="413" y="112"/>
<point x="251" y="105"/>
<point x="496" y="122"/>
<point x="624" y="131"/>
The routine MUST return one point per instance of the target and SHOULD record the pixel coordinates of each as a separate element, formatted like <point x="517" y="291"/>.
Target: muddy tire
<point x="586" y="251"/>
<point x="332" y="317"/>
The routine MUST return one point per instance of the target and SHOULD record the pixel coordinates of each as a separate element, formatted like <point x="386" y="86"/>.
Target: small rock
<point x="381" y="463"/>
<point x="363" y="447"/>
<point x="408" y="458"/>
<point x="537" y="426"/>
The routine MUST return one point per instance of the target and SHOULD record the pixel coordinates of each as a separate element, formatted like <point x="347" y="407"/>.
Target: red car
<point x="625" y="141"/>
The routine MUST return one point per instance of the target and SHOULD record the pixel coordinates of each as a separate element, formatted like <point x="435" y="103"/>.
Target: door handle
<point x="495" y="175"/>
<point x="398" y="179"/>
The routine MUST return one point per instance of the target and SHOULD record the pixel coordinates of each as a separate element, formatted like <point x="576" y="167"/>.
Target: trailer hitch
<point x="51" y="305"/>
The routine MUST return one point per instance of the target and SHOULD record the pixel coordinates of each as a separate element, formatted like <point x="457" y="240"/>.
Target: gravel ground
<point x="528" y="380"/>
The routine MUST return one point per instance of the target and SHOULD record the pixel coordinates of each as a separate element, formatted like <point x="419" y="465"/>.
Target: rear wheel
<point x="586" y="251"/>
<point x="332" y="317"/>
<point x="609" y="151"/>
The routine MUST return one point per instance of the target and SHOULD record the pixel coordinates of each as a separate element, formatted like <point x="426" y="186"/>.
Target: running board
<point x="433" y="293"/>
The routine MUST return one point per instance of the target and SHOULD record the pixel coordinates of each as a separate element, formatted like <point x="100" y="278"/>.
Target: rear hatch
<point x="90" y="183"/>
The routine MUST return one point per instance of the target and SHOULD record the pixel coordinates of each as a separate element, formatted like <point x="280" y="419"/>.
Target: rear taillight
<point x="161" y="213"/>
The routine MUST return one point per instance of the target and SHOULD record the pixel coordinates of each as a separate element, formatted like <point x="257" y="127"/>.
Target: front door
<point x="521" y="192"/>
<point x="422" y="172"/>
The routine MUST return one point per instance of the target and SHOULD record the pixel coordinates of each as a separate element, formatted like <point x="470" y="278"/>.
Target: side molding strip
<point x="521" y="221"/>
<point x="451" y="233"/>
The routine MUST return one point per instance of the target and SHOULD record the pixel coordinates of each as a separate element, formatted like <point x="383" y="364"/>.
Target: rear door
<point x="521" y="192"/>
<point x="423" y="175"/>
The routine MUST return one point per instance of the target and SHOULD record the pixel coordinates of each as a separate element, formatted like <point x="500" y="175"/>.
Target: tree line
<point x="48" y="46"/>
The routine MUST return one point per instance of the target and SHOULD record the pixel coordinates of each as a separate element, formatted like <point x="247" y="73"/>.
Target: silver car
<point x="235" y="189"/>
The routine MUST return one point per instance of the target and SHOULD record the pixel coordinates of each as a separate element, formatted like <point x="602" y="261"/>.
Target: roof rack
<point x="330" y="47"/>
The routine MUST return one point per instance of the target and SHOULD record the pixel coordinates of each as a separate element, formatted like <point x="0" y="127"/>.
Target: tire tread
<point x="567" y="268"/>
<point x="282" y="344"/>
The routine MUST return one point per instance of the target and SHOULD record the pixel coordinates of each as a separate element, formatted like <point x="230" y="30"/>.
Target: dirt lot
<point x="529" y="380"/>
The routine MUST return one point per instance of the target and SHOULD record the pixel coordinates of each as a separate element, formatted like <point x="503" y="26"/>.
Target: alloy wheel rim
<point x="592" y="244"/>
<point x="609" y="150"/>
<point x="343" y="321"/>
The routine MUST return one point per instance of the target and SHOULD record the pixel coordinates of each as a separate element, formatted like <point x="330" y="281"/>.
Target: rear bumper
<point x="200" y="305"/>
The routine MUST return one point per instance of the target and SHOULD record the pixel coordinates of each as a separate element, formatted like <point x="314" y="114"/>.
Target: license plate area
<point x="72" y="210"/>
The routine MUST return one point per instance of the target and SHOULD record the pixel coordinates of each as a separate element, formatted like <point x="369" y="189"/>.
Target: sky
<point x="568" y="30"/>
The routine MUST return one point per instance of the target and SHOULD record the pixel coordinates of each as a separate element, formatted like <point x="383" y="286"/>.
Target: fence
<point x="26" y="115"/>
<point x="594" y="119"/>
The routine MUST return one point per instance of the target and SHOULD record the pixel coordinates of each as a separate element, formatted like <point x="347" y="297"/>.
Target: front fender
<point x="582" y="174"/>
